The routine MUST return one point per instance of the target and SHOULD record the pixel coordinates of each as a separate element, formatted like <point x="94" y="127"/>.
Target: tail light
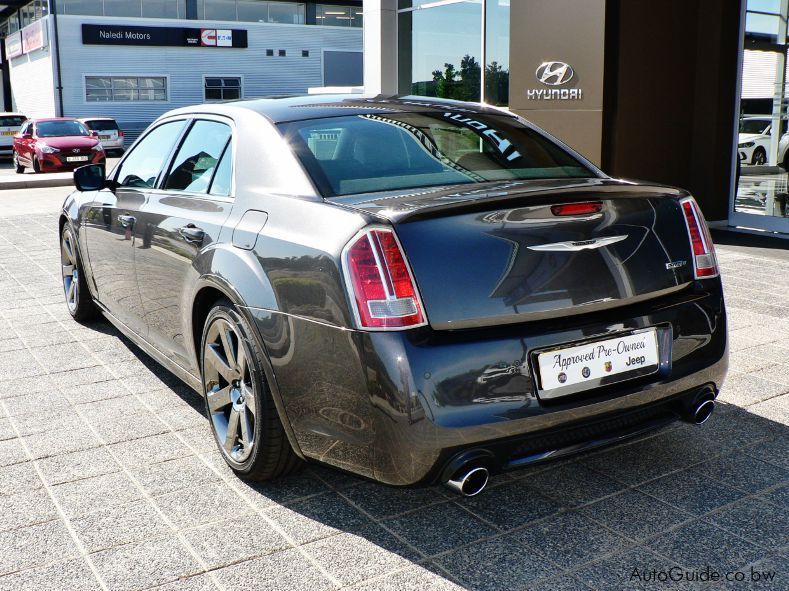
<point x="705" y="264"/>
<point x="382" y="287"/>
<point x="120" y="133"/>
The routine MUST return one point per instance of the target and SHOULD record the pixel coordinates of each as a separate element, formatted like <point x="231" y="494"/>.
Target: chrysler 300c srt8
<point x="414" y="290"/>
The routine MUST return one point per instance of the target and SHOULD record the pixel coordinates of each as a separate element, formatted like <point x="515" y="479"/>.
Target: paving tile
<point x="755" y="520"/>
<point x="112" y="408"/>
<point x="149" y="450"/>
<point x="417" y="577"/>
<point x="92" y="494"/>
<point x="778" y="496"/>
<point x="218" y="543"/>
<point x="743" y="472"/>
<point x="115" y="526"/>
<point x="691" y="491"/>
<point x="35" y="545"/>
<point x="173" y="475"/>
<point x="773" y="451"/>
<point x="80" y="377"/>
<point x="572" y="484"/>
<point x="202" y="503"/>
<point x="96" y="391"/>
<point x="510" y="505"/>
<point x="318" y="517"/>
<point x="48" y="420"/>
<point x="283" y="571"/>
<point x="569" y="539"/>
<point x="19" y="364"/>
<point x="77" y="465"/>
<point x="561" y="583"/>
<point x="34" y="404"/>
<point x="199" y="439"/>
<point x="132" y="428"/>
<point x="18" y="478"/>
<point x="60" y="441"/>
<point x="767" y="573"/>
<point x="699" y="544"/>
<point x="496" y="564"/>
<point x="381" y="501"/>
<point x="440" y="528"/>
<point x="26" y="508"/>
<point x="7" y="430"/>
<point x="193" y="583"/>
<point x="368" y="552"/>
<point x="775" y="409"/>
<point x="144" y="564"/>
<point x="11" y="452"/>
<point x="67" y="575"/>
<point x="286" y="490"/>
<point x="745" y="389"/>
<point x="59" y="358"/>
<point x="627" y="570"/>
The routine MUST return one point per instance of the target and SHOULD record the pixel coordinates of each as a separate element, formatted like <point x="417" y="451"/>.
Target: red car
<point x="53" y="145"/>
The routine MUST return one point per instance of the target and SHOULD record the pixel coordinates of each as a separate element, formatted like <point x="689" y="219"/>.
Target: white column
<point x="380" y="46"/>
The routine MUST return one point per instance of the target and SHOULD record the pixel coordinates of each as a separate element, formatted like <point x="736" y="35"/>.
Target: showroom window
<point x="338" y="16"/>
<point x="256" y="11"/>
<point x="130" y="8"/>
<point x="455" y="49"/>
<point x="125" y="88"/>
<point x="222" y="89"/>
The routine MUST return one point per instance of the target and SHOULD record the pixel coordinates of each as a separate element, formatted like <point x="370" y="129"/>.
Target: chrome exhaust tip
<point x="469" y="482"/>
<point x="703" y="411"/>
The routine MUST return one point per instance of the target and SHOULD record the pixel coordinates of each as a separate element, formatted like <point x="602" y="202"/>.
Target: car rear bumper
<point x="397" y="406"/>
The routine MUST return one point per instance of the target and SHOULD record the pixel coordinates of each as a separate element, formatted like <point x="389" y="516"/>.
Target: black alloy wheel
<point x="239" y="405"/>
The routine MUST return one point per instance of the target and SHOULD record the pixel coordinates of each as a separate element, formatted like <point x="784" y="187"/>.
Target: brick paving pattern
<point x="109" y="478"/>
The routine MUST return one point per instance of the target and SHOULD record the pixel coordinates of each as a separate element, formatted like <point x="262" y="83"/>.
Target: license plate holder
<point x="76" y="158"/>
<point x="575" y="367"/>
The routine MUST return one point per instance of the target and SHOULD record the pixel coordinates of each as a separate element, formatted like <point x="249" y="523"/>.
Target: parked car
<point x="56" y="144"/>
<point x="753" y="143"/>
<point x="110" y="134"/>
<point x="10" y="124"/>
<point x="339" y="277"/>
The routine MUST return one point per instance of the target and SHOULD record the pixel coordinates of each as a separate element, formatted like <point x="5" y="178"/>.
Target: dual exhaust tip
<point x="469" y="482"/>
<point x="699" y="411"/>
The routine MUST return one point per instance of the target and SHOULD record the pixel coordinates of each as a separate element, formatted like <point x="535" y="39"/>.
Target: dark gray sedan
<point x="410" y="289"/>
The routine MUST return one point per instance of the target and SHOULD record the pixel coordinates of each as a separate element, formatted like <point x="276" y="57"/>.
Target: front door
<point x="111" y="228"/>
<point x="182" y="218"/>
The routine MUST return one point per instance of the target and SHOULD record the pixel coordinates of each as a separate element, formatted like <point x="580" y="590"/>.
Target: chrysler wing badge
<point x="570" y="246"/>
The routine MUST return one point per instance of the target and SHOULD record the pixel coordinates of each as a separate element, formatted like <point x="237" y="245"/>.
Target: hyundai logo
<point x="554" y="73"/>
<point x="75" y="150"/>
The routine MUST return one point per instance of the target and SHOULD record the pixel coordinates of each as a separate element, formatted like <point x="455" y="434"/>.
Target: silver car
<point x="10" y="124"/>
<point x="110" y="134"/>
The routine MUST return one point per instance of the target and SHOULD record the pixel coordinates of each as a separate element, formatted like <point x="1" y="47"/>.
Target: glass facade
<point x="125" y="88"/>
<point x="763" y="141"/>
<point x="338" y="16"/>
<point x="455" y="49"/>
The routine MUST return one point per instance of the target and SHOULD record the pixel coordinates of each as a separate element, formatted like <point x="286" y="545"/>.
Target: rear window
<point x="102" y="125"/>
<point x="11" y="121"/>
<point x="371" y="152"/>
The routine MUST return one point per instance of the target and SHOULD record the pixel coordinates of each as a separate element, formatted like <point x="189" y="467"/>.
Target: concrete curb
<point x="37" y="183"/>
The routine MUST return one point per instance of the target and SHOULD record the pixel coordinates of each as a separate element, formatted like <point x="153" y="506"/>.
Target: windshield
<point x="60" y="128"/>
<point x="102" y="125"/>
<point x="368" y="153"/>
<point x="11" y="121"/>
<point x="757" y="126"/>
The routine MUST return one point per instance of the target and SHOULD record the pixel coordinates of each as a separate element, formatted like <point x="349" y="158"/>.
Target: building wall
<point x="32" y="81"/>
<point x="185" y="67"/>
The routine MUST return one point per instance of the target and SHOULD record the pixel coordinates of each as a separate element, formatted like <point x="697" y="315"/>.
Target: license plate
<point x="76" y="158"/>
<point x="590" y="363"/>
<point x="9" y="133"/>
<point x="105" y="137"/>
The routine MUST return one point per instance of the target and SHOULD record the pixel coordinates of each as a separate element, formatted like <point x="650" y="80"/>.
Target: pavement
<point x="109" y="476"/>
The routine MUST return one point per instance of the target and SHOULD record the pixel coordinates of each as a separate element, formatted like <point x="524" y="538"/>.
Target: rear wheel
<point x="239" y="405"/>
<point x="78" y="300"/>
<point x="18" y="167"/>
<point x="36" y="165"/>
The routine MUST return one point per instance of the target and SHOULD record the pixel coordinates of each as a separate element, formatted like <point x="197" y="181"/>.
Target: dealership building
<point x="647" y="90"/>
<point x="136" y="59"/>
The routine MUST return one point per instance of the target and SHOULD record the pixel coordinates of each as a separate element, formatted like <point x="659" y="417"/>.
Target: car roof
<point x="43" y="119"/>
<point x="100" y="118"/>
<point x="298" y="108"/>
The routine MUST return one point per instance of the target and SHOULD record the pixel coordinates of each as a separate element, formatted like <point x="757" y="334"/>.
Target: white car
<point x="110" y="134"/>
<point x="10" y="124"/>
<point x="753" y="144"/>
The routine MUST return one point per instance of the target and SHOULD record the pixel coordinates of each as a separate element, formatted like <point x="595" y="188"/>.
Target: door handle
<point x="192" y="233"/>
<point x="127" y="221"/>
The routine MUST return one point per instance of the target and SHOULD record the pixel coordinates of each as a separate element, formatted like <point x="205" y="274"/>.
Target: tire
<point x="230" y="380"/>
<point x="759" y="157"/>
<point x="18" y="167"/>
<point x="78" y="299"/>
<point x="36" y="165"/>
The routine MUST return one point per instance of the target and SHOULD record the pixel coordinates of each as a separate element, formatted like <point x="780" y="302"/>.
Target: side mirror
<point x="90" y="178"/>
<point x="27" y="136"/>
<point x="94" y="133"/>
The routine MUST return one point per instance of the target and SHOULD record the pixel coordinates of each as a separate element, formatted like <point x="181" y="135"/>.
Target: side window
<point x="144" y="163"/>
<point x="197" y="158"/>
<point x="224" y="172"/>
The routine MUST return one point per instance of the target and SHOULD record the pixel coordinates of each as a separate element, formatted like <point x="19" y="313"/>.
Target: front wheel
<point x="759" y="157"/>
<point x="78" y="300"/>
<point x="18" y="167"/>
<point x="238" y="401"/>
<point x="36" y="165"/>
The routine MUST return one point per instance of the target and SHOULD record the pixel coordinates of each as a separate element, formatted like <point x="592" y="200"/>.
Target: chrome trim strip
<point x="572" y="246"/>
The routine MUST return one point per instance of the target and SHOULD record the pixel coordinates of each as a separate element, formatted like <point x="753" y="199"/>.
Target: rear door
<point x="183" y="217"/>
<point x="112" y="229"/>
